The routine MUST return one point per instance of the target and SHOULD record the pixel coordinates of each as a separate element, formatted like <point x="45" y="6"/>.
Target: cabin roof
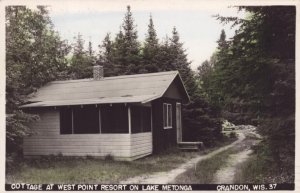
<point x="140" y="88"/>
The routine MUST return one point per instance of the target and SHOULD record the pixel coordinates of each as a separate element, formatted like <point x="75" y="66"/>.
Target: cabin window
<point x="167" y="115"/>
<point x="140" y="119"/>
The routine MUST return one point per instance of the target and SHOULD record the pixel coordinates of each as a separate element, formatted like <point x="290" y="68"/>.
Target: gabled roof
<point x="140" y="88"/>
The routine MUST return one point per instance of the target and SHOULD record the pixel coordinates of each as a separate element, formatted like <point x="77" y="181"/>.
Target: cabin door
<point x="178" y="122"/>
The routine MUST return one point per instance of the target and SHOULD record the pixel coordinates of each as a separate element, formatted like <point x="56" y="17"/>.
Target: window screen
<point x="114" y="119"/>
<point x="86" y="120"/>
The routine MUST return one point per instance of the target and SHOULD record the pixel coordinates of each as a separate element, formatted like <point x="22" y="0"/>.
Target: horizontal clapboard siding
<point x="141" y="144"/>
<point x="47" y="140"/>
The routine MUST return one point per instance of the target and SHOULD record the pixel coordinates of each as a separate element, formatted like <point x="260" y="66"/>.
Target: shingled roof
<point x="140" y="88"/>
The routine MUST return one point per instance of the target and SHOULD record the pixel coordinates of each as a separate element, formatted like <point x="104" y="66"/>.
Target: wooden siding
<point x="47" y="140"/>
<point x="141" y="144"/>
<point x="173" y="92"/>
<point x="163" y="138"/>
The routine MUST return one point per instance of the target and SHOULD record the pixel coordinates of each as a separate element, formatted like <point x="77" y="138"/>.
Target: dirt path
<point x="226" y="174"/>
<point x="169" y="176"/>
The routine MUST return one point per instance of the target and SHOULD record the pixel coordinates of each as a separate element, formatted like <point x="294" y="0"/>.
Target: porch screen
<point x="79" y="120"/>
<point x="140" y="119"/>
<point x="89" y="119"/>
<point x="66" y="121"/>
<point x="86" y="120"/>
<point x="114" y="119"/>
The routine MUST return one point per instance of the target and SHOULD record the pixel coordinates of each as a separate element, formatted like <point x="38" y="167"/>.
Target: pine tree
<point x="82" y="60"/>
<point x="164" y="55"/>
<point x="92" y="59"/>
<point x="201" y="120"/>
<point x="119" y="54"/>
<point x="151" y="49"/>
<point x="180" y="62"/>
<point x="90" y="49"/>
<point x="222" y="44"/>
<point x="106" y="58"/>
<point x="255" y="73"/>
<point x="127" y="46"/>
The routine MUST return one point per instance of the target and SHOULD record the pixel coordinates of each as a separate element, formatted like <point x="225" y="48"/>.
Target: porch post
<point x="129" y="119"/>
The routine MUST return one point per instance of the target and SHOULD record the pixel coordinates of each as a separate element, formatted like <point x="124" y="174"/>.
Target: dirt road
<point x="225" y="175"/>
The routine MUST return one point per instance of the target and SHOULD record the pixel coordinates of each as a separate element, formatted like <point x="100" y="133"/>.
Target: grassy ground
<point x="88" y="170"/>
<point x="58" y="169"/>
<point x="260" y="168"/>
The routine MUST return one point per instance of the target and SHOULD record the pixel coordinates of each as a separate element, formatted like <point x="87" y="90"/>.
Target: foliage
<point x="82" y="60"/>
<point x="127" y="47"/>
<point x="35" y="55"/>
<point x="254" y="77"/>
<point x="232" y="134"/>
<point x="262" y="168"/>
<point x="123" y="55"/>
<point x="105" y="57"/>
<point x="151" y="50"/>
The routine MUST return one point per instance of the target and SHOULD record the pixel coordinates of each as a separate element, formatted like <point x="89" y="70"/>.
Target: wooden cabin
<point x="126" y="117"/>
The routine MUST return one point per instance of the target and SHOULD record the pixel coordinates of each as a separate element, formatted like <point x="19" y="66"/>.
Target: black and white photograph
<point x="141" y="95"/>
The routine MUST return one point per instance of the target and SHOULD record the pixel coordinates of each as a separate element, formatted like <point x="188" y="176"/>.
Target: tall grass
<point x="262" y="168"/>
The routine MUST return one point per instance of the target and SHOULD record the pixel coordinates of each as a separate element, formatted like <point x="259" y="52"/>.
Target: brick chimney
<point x="98" y="73"/>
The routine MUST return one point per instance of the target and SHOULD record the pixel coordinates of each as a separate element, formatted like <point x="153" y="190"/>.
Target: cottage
<point x="127" y="117"/>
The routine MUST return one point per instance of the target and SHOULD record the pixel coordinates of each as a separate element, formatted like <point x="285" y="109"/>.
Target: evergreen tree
<point x="164" y="55"/>
<point x="180" y="62"/>
<point x="119" y="54"/>
<point x="151" y="49"/>
<point x="222" y="43"/>
<point x="106" y="58"/>
<point x="82" y="60"/>
<point x="91" y="52"/>
<point x="127" y="47"/>
<point x="255" y="73"/>
<point x="201" y="120"/>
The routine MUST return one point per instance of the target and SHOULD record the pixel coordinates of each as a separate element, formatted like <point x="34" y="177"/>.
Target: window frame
<point x="168" y="113"/>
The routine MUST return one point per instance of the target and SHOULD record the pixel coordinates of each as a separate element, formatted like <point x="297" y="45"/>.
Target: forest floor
<point x="217" y="166"/>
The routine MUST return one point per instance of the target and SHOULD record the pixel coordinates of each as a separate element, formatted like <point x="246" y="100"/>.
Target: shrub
<point x="232" y="134"/>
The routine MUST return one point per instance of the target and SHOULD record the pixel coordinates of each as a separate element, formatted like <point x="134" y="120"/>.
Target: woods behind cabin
<point x="249" y="79"/>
